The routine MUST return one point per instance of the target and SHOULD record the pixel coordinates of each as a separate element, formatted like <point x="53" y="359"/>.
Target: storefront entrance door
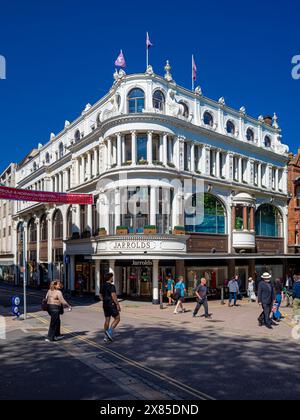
<point x="137" y="282"/>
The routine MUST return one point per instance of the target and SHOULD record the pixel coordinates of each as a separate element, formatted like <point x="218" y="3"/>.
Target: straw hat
<point x="266" y="276"/>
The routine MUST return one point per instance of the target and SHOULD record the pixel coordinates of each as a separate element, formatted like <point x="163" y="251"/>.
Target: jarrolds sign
<point x="14" y="194"/>
<point x="133" y="245"/>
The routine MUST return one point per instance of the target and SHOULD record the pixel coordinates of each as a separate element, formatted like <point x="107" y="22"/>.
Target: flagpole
<point x="147" y="57"/>
<point x="193" y="83"/>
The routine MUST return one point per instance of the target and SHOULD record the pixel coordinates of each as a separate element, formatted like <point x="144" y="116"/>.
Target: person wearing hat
<point x="296" y="295"/>
<point x="266" y="298"/>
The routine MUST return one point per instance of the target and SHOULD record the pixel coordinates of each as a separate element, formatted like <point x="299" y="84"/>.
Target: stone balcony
<point x="244" y="240"/>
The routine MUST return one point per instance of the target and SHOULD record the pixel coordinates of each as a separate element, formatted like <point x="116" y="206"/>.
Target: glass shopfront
<point x="85" y="278"/>
<point x="137" y="279"/>
<point x="215" y="276"/>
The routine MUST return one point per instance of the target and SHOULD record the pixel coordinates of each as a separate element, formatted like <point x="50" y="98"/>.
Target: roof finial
<point x="168" y="75"/>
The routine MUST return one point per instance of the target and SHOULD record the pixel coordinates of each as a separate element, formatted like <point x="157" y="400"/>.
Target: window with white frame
<point x="264" y="176"/>
<point x="213" y="163"/>
<point x="245" y="171"/>
<point x="223" y="165"/>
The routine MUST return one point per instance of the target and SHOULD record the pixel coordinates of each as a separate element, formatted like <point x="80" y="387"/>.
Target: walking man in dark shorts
<point x="111" y="307"/>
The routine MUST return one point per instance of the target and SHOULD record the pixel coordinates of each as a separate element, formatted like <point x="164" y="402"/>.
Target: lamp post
<point x="24" y="271"/>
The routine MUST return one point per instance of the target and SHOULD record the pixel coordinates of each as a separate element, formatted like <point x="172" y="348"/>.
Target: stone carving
<point x="275" y="122"/>
<point x="111" y="109"/>
<point x="198" y="91"/>
<point x="150" y="71"/>
<point x="222" y="101"/>
<point x="243" y="110"/>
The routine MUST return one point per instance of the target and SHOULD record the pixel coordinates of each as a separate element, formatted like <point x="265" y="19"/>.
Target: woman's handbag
<point x="45" y="305"/>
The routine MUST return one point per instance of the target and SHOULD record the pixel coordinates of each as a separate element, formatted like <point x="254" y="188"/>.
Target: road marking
<point x="183" y="387"/>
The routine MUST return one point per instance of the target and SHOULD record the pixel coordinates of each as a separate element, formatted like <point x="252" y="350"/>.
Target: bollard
<point x="222" y="296"/>
<point x="161" y="299"/>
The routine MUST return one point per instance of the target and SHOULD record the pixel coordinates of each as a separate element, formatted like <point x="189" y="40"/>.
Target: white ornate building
<point x="133" y="150"/>
<point x="7" y="246"/>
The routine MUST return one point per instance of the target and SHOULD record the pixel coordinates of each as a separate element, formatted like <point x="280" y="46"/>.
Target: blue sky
<point x="60" y="56"/>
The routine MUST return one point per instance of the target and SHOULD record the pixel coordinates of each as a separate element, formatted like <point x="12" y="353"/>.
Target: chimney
<point x="268" y="120"/>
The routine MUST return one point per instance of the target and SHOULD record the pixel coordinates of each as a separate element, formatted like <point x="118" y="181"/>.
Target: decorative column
<point x="252" y="219"/>
<point x="98" y="278"/>
<point x="117" y="208"/>
<point x="90" y="218"/>
<point x="193" y="166"/>
<point x="240" y="170"/>
<point x="109" y="150"/>
<point x="72" y="273"/>
<point x="259" y="181"/>
<point x="119" y="150"/>
<point x="153" y="206"/>
<point x="245" y="218"/>
<point x="155" y="282"/>
<point x="150" y="148"/>
<point x="82" y="170"/>
<point x="218" y="163"/>
<point x="133" y="147"/>
<point x="89" y="164"/>
<point x="123" y="149"/>
<point x="38" y="245"/>
<point x="277" y="180"/>
<point x="165" y="149"/>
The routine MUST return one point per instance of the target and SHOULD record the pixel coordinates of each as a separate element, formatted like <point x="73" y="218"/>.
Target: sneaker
<point x="109" y="335"/>
<point x="59" y="338"/>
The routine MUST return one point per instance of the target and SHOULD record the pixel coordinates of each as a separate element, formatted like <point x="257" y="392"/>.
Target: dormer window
<point x="61" y="150"/>
<point x="159" y="100"/>
<point x="208" y="119"/>
<point x="136" y="101"/>
<point x="77" y="135"/>
<point x="268" y="142"/>
<point x="230" y="128"/>
<point x="250" y="134"/>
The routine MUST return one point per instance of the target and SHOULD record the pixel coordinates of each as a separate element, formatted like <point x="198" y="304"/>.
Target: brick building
<point x="294" y="205"/>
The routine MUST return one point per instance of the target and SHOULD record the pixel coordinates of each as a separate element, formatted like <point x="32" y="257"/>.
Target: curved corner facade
<point x="183" y="185"/>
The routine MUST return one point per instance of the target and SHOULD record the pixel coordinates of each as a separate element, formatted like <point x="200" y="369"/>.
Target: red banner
<point x="44" y="197"/>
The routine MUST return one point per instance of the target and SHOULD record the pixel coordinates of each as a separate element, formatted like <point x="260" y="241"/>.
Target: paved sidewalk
<point x="157" y="355"/>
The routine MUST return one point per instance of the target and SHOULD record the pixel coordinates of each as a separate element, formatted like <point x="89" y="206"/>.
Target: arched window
<point x="207" y="215"/>
<point x="69" y="223"/>
<point x="32" y="232"/>
<point x="58" y="225"/>
<point x="136" y="101"/>
<point x="159" y="100"/>
<point x="208" y="119"/>
<point x="44" y="228"/>
<point x="186" y="111"/>
<point x="230" y="128"/>
<point x="77" y="135"/>
<point x="268" y="141"/>
<point x="268" y="221"/>
<point x="60" y="150"/>
<point x="250" y="134"/>
<point x="298" y="196"/>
